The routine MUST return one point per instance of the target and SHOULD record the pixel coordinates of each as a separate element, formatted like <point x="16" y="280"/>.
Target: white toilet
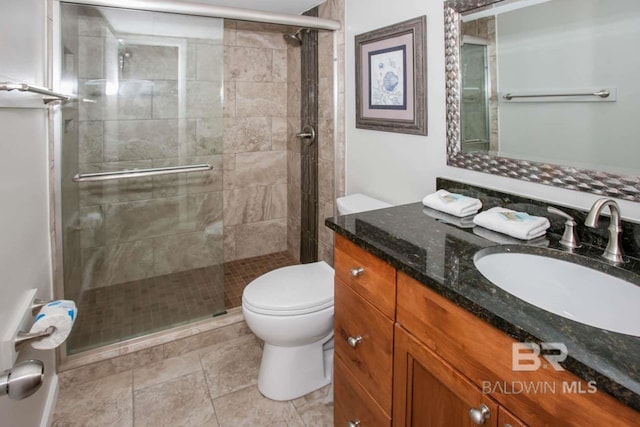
<point x="291" y="310"/>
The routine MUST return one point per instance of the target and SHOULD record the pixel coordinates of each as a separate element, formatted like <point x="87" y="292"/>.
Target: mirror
<point x="546" y="91"/>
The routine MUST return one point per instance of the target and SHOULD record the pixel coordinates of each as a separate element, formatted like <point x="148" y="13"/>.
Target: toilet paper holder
<point x="23" y="338"/>
<point x="37" y="305"/>
<point x="26" y="337"/>
<point x="12" y="332"/>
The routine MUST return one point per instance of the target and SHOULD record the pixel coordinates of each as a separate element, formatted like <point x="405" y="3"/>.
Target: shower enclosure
<point x="143" y="251"/>
<point x="475" y="97"/>
<point x="180" y="175"/>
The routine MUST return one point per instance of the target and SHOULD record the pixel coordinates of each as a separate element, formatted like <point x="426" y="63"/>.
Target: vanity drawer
<point x="367" y="275"/>
<point x="354" y="404"/>
<point x="369" y="358"/>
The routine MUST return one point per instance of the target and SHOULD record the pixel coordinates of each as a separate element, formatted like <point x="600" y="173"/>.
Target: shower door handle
<point x="139" y="173"/>
<point x="308" y="134"/>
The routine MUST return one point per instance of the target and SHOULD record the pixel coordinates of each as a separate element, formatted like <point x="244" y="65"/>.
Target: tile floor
<point x="128" y="310"/>
<point x="212" y="386"/>
<point x="238" y="274"/>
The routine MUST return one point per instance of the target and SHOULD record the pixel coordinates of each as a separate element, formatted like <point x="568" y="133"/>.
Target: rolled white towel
<point x="452" y="203"/>
<point x="520" y="225"/>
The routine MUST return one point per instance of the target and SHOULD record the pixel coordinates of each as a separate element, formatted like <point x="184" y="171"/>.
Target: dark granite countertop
<point x="440" y="256"/>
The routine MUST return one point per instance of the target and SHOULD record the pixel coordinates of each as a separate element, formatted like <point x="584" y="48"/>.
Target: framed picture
<point x="391" y="78"/>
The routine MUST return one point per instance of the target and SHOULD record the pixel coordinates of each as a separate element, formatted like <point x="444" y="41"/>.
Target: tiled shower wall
<point x="330" y="140"/>
<point x="294" y="179"/>
<point x="331" y="183"/>
<point x="255" y="140"/>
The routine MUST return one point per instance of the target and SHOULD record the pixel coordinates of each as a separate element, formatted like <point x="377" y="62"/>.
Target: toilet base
<point x="287" y="373"/>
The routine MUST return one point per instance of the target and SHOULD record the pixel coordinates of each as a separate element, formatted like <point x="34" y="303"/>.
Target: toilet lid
<point x="296" y="289"/>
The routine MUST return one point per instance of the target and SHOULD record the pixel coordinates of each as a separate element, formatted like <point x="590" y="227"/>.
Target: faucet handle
<point x="569" y="237"/>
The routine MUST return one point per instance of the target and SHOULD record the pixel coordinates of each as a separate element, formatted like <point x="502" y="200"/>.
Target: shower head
<point x="124" y="54"/>
<point x="296" y="38"/>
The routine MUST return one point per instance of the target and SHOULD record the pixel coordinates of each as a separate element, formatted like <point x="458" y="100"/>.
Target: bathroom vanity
<point x="422" y="338"/>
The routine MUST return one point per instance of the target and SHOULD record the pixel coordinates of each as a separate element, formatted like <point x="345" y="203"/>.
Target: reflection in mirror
<point x="557" y="48"/>
<point x="479" y="106"/>
<point x="537" y="83"/>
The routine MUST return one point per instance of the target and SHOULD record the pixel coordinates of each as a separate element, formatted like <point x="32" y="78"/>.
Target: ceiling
<point x="291" y="7"/>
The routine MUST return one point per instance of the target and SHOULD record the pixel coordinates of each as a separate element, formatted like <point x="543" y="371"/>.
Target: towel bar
<point x="24" y="87"/>
<point x="139" y="173"/>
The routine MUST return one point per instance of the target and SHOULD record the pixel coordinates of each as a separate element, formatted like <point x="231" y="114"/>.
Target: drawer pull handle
<point x="354" y="423"/>
<point x="480" y="415"/>
<point x="357" y="271"/>
<point x="353" y="342"/>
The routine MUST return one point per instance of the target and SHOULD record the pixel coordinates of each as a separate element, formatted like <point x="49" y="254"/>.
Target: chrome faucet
<point x="613" y="251"/>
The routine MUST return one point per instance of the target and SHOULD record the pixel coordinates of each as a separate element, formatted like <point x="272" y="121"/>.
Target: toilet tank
<point x="354" y="203"/>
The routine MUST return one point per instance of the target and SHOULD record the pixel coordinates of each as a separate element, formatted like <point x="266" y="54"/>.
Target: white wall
<point x="402" y="168"/>
<point x="25" y="258"/>
<point x="565" y="45"/>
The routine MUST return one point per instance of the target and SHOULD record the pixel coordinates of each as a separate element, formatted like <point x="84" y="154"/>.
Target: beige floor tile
<point x="179" y="392"/>
<point x="231" y="366"/>
<point x="106" y="368"/>
<point x="166" y="370"/>
<point x="205" y="339"/>
<point x="247" y="407"/>
<point x="316" y="408"/>
<point x="100" y="403"/>
<point x="182" y="401"/>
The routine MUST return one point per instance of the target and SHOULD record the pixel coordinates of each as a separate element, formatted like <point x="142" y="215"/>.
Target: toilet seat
<point x="292" y="290"/>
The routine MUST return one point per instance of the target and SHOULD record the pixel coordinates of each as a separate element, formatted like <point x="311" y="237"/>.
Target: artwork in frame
<point x="391" y="78"/>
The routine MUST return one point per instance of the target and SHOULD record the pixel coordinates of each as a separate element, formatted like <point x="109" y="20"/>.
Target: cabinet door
<point x="428" y="392"/>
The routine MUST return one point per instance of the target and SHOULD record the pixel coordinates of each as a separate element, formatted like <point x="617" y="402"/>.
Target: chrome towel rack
<point x="604" y="93"/>
<point x="24" y="87"/>
<point x="140" y="173"/>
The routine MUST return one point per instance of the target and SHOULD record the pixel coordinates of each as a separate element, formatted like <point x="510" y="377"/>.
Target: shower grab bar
<point x="139" y="173"/>
<point x="601" y="93"/>
<point x="24" y="87"/>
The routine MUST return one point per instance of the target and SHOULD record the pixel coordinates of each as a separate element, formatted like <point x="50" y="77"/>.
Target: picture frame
<point x="391" y="85"/>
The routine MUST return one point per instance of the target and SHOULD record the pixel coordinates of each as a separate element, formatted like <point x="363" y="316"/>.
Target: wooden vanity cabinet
<point x="483" y="355"/>
<point x="407" y="356"/>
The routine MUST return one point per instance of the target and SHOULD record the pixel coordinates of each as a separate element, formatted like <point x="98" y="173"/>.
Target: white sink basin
<point x="569" y="290"/>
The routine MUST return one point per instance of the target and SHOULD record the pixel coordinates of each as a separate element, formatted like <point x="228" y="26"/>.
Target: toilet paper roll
<point x="60" y="314"/>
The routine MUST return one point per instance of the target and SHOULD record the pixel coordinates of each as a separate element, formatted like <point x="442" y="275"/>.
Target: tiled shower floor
<point x="116" y="313"/>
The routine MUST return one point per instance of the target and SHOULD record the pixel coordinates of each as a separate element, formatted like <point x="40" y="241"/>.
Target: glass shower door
<point x="475" y="98"/>
<point x="141" y="254"/>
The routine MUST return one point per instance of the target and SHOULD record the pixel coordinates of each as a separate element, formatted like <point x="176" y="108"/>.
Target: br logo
<point x="526" y="355"/>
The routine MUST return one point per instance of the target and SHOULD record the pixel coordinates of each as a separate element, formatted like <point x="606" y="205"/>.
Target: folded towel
<point x="520" y="225"/>
<point x="466" y="222"/>
<point x="503" y="239"/>
<point x="452" y="203"/>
